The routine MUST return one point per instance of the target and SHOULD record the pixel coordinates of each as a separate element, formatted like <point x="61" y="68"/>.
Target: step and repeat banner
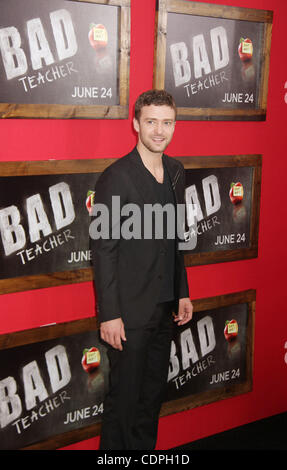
<point x="70" y="59"/>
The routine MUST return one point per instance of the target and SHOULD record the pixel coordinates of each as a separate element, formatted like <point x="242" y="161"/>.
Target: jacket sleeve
<point x="183" y="288"/>
<point x="105" y="240"/>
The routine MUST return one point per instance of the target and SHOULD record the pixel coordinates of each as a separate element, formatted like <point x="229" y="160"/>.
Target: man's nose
<point x="159" y="128"/>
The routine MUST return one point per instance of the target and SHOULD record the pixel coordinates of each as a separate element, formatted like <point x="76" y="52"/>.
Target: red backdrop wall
<point x="69" y="139"/>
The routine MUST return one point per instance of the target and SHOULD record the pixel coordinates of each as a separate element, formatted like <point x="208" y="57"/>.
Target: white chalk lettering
<point x="62" y="204"/>
<point x="11" y="407"/>
<point x="64" y="33"/>
<point x="206" y="335"/>
<point x="219" y="45"/>
<point x="211" y="194"/>
<point x="15" y="57"/>
<point x="33" y="385"/>
<point x="42" y="411"/>
<point x="180" y="64"/>
<point x="191" y="358"/>
<point x="54" y="73"/>
<point x="12" y="232"/>
<point x="58" y="367"/>
<point x="35" y="390"/>
<point x="37" y="218"/>
<point x="52" y="242"/>
<point x="202" y="63"/>
<point x="39" y="46"/>
<point x="211" y="198"/>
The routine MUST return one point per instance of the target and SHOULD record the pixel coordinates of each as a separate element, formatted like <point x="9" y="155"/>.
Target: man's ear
<point x="136" y="124"/>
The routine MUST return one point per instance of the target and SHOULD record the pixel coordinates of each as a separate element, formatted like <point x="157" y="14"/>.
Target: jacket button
<point x="160" y="276"/>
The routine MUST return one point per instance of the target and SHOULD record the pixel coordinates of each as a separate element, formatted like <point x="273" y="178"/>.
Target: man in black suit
<point x="140" y="276"/>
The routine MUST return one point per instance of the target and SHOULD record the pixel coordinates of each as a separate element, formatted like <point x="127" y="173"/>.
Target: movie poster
<point x="44" y="223"/>
<point x="51" y="387"/>
<point x="213" y="62"/>
<point x="58" y="52"/>
<point x="219" y="202"/>
<point x="209" y="353"/>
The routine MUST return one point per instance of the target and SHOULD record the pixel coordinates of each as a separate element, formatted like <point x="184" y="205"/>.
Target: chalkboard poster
<point x="45" y="216"/>
<point x="213" y="59"/>
<point x="223" y="201"/>
<point x="53" y="379"/>
<point x="55" y="229"/>
<point x="52" y="387"/>
<point x="44" y="222"/>
<point x="212" y="356"/>
<point x="228" y="224"/>
<point x="64" y="58"/>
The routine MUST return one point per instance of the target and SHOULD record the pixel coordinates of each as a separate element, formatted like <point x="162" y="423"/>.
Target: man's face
<point x="155" y="127"/>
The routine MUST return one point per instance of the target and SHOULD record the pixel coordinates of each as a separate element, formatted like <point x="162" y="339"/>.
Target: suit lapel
<point x="174" y="175"/>
<point x="140" y="178"/>
<point x="144" y="184"/>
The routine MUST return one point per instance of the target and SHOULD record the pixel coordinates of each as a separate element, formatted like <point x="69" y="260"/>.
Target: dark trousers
<point x="138" y="378"/>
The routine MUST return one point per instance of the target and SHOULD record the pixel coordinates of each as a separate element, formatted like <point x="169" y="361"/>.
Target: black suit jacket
<point x="128" y="273"/>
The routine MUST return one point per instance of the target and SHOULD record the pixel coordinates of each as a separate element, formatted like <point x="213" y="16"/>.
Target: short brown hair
<point x="155" y="97"/>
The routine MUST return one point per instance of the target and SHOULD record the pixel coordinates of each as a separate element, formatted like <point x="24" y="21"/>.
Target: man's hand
<point x="113" y="332"/>
<point x="185" y="311"/>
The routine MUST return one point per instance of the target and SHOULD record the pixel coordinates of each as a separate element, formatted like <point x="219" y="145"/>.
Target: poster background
<point x="15" y="190"/>
<point x="200" y="356"/>
<point x="68" y="248"/>
<point x="239" y="80"/>
<point x="226" y="356"/>
<point x="230" y="218"/>
<point x="83" y="390"/>
<point x="91" y="70"/>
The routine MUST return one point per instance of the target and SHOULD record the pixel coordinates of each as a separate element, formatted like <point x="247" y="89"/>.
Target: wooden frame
<point x="226" y="390"/>
<point x="230" y="161"/>
<point x="89" y="111"/>
<point x="46" y="333"/>
<point x="197" y="10"/>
